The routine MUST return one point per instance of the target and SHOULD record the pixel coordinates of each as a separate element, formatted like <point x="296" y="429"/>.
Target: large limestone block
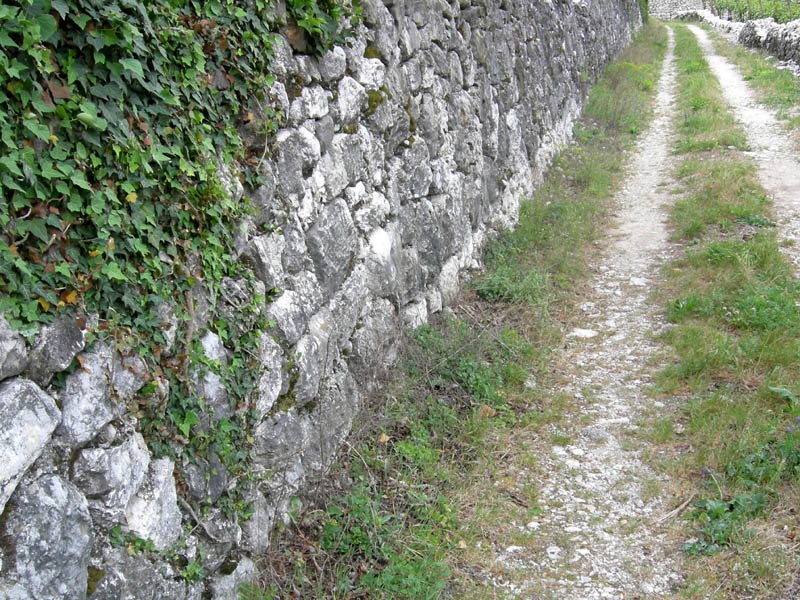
<point x="29" y="417"/>
<point x="128" y="577"/>
<point x="49" y="525"/>
<point x="352" y="99"/>
<point x="270" y="381"/>
<point x="13" y="358"/>
<point x="332" y="244"/>
<point x="111" y="476"/>
<point x="86" y="402"/>
<point x="56" y="346"/>
<point x="152" y="512"/>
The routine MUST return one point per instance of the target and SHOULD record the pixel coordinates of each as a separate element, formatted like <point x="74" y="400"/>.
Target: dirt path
<point x="598" y="534"/>
<point x="777" y="161"/>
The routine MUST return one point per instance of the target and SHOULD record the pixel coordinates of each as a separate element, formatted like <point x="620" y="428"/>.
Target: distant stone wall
<point x="402" y="153"/>
<point x="671" y="9"/>
<point x="782" y="40"/>
<point x="732" y="28"/>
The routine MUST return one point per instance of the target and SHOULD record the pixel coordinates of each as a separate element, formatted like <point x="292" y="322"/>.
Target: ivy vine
<point x="114" y="118"/>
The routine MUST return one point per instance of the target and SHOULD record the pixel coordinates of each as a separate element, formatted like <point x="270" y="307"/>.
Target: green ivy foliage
<point x="327" y="22"/>
<point x="115" y="113"/>
<point x="115" y="116"/>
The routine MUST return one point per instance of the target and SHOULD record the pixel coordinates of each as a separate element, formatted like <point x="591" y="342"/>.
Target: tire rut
<point x="598" y="535"/>
<point x="774" y="155"/>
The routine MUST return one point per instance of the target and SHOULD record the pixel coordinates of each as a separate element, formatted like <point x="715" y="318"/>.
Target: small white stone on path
<point x="639" y="281"/>
<point x="553" y="551"/>
<point x="533" y="525"/>
<point x="583" y="333"/>
<point x="575" y="451"/>
<point x="572" y="463"/>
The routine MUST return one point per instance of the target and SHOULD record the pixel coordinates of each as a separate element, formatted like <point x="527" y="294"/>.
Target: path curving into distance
<point x="777" y="160"/>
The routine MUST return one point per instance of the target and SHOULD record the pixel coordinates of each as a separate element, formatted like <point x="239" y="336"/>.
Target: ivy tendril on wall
<point x="115" y="117"/>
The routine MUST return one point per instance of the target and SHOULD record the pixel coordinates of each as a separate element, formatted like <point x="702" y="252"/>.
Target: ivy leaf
<point x="98" y="203"/>
<point x="112" y="271"/>
<point x="48" y="171"/>
<point x="60" y="7"/>
<point x="131" y="64"/>
<point x="81" y="20"/>
<point x="47" y="26"/>
<point x="6" y="41"/>
<point x="14" y="70"/>
<point x="11" y="184"/>
<point x="10" y="164"/>
<point x="79" y="179"/>
<point x="92" y="121"/>
<point x="38" y="129"/>
<point x="35" y="226"/>
<point x="188" y="420"/>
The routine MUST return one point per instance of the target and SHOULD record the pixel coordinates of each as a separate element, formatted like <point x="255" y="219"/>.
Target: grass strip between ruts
<point x="733" y="299"/>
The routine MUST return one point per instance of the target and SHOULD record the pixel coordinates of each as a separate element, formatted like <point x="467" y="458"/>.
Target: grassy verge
<point x="776" y="88"/>
<point x="414" y="507"/>
<point x="732" y="298"/>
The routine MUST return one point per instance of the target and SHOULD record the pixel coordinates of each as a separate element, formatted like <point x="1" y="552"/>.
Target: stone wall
<point x="782" y="40"/>
<point x="731" y="28"/>
<point x="402" y="152"/>
<point x="670" y="9"/>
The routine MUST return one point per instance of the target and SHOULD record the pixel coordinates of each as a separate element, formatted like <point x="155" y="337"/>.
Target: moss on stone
<point x="93" y="579"/>
<point x="412" y="122"/>
<point x="372" y="51"/>
<point x="374" y="99"/>
<point x="287" y="400"/>
<point x="294" y="86"/>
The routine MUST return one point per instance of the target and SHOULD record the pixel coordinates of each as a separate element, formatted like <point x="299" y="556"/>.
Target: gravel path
<point x="773" y="153"/>
<point x="598" y="534"/>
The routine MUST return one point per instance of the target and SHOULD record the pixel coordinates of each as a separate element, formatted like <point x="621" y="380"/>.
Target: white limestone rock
<point x="29" y="417"/>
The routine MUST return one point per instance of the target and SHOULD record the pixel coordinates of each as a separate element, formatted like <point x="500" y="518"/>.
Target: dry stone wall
<point x="671" y="9"/>
<point x="782" y="40"/>
<point x="402" y="152"/>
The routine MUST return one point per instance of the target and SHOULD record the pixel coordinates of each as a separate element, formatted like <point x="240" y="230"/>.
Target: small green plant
<point x="193" y="571"/>
<point x="720" y="520"/>
<point x="130" y="541"/>
<point x="327" y="22"/>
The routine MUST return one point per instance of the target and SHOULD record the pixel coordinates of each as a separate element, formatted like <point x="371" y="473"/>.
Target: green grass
<point x="416" y="502"/>
<point x="776" y="88"/>
<point x="741" y="10"/>
<point x="544" y="253"/>
<point x="732" y="299"/>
